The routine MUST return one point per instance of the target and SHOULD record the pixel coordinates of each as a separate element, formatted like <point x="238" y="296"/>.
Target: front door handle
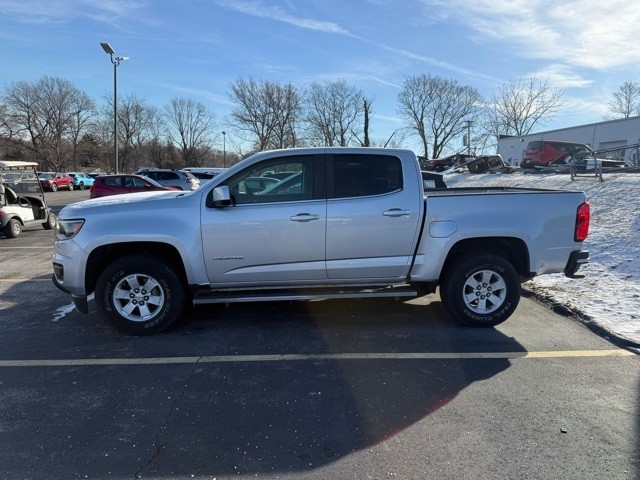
<point x="304" y="217"/>
<point x="395" y="212"/>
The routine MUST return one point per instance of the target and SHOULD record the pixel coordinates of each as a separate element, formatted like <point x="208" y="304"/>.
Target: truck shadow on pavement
<point x="221" y="418"/>
<point x="293" y="416"/>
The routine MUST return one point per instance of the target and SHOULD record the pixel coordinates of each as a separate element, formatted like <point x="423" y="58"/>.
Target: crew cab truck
<point x="343" y="223"/>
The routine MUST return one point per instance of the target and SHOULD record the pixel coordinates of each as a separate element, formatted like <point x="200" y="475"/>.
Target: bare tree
<point x="522" y="104"/>
<point x="189" y="125"/>
<point x="82" y="117"/>
<point x="45" y="114"/>
<point x="626" y="101"/>
<point x="334" y="110"/>
<point x="136" y="122"/>
<point x="267" y="112"/>
<point x="436" y="108"/>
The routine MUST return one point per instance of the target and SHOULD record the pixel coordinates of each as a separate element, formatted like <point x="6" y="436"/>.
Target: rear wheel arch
<point x="512" y="249"/>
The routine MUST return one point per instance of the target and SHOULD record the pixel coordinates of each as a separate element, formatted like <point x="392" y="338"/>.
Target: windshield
<point x="21" y="183"/>
<point x="46" y="175"/>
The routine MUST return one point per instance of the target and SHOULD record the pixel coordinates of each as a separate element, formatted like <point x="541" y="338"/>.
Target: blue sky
<point x="195" y="48"/>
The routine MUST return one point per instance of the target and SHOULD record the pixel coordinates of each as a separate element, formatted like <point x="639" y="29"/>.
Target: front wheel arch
<point x="102" y="256"/>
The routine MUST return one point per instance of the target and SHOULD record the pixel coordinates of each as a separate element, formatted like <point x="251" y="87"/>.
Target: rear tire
<point x="140" y="295"/>
<point x="70" y="186"/>
<point x="50" y="224"/>
<point x="13" y="228"/>
<point x="481" y="290"/>
<point x="81" y="186"/>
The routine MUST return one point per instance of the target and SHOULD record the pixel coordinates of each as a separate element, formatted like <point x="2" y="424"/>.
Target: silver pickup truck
<point x="315" y="223"/>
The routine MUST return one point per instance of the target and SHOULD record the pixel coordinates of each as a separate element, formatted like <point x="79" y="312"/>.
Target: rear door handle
<point x="304" y="217"/>
<point x="395" y="212"/>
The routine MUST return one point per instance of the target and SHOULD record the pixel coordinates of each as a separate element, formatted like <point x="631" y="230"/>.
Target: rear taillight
<point x="582" y="222"/>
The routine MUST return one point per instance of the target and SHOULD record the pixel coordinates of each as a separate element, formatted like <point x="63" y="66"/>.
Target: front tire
<point x="13" y="228"/>
<point x="54" y="187"/>
<point x="481" y="290"/>
<point x="140" y="295"/>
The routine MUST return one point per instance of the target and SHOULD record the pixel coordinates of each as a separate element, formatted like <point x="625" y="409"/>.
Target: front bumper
<point x="69" y="262"/>
<point x="576" y="259"/>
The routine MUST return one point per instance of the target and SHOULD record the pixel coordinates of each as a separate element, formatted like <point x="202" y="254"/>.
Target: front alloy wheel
<point x="140" y="295"/>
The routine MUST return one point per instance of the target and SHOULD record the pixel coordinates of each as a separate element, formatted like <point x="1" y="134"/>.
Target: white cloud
<point x="563" y="76"/>
<point x="257" y="8"/>
<point x="589" y="33"/>
<point x="46" y="11"/>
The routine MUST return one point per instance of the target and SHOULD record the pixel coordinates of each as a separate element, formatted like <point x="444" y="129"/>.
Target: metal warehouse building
<point x="599" y="136"/>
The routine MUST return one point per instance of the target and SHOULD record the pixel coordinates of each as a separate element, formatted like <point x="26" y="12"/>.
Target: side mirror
<point x="147" y="185"/>
<point x="221" y="197"/>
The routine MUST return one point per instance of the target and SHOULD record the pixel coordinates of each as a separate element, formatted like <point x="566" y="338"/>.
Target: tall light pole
<point x="116" y="63"/>
<point x="224" y="149"/>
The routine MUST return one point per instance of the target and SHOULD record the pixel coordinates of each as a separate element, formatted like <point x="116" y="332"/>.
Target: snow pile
<point x="609" y="294"/>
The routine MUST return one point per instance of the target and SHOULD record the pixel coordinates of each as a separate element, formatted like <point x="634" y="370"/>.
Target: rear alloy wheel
<point x="54" y="187"/>
<point x="140" y="295"/>
<point x="50" y="224"/>
<point x="70" y="186"/>
<point x="13" y="228"/>
<point x="481" y="290"/>
<point x="81" y="185"/>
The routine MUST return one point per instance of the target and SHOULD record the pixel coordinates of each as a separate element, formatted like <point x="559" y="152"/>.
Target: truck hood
<point x="118" y="203"/>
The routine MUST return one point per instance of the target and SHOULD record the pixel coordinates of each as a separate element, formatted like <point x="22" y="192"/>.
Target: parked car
<point x="541" y="152"/>
<point x="204" y="174"/>
<point x="119" y="184"/>
<point x="81" y="180"/>
<point x="171" y="178"/>
<point x="22" y="201"/>
<point x="445" y="163"/>
<point x="55" y="180"/>
<point x="351" y="222"/>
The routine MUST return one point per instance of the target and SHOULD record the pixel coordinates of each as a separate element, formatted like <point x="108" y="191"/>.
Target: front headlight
<point x="68" y="228"/>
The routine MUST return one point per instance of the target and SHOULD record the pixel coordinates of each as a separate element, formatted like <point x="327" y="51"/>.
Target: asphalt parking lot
<point x="328" y="389"/>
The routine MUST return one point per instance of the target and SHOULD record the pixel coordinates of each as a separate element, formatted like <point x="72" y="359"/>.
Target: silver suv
<point x="171" y="178"/>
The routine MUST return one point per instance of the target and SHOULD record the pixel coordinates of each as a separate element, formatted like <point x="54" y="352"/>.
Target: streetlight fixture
<point x="116" y="63"/>
<point x="224" y="149"/>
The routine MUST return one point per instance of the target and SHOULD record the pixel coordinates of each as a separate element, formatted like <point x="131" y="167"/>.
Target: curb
<point x="586" y="320"/>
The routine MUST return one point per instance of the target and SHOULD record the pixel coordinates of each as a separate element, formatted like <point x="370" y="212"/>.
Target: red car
<point x="55" y="180"/>
<point x="542" y="152"/>
<point x="118" y="184"/>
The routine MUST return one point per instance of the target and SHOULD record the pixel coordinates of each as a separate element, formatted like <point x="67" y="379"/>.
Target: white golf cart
<point x="21" y="199"/>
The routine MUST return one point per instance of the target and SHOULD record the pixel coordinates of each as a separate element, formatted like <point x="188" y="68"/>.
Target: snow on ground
<point x="609" y="294"/>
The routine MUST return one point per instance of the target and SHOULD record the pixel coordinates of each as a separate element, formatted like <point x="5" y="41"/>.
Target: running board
<point x="223" y="296"/>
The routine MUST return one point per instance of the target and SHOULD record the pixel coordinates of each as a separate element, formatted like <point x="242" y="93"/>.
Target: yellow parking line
<point x="25" y="248"/>
<point x="19" y="280"/>
<point x="313" y="357"/>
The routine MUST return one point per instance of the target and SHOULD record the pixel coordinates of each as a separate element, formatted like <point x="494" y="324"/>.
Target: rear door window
<point x="113" y="181"/>
<point x="365" y="175"/>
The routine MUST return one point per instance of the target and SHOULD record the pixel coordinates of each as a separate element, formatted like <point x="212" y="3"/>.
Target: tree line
<point x="56" y="124"/>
